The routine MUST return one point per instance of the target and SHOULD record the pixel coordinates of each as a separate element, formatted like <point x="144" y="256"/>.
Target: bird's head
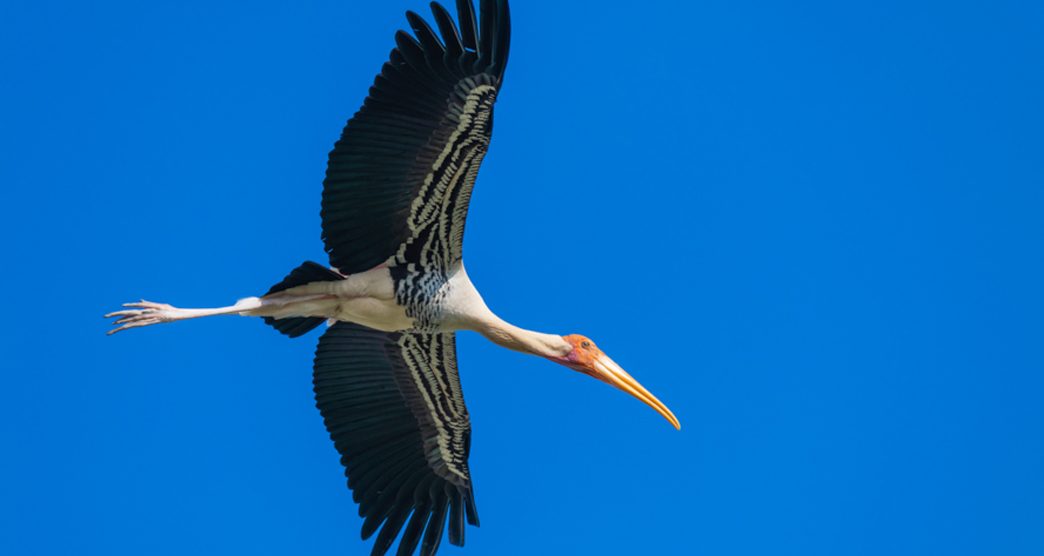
<point x="585" y="357"/>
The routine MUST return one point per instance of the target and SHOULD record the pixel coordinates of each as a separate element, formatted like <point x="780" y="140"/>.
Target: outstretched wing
<point x="393" y="405"/>
<point x="399" y="180"/>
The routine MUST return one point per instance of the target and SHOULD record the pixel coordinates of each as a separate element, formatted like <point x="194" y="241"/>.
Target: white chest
<point x="462" y="306"/>
<point x="370" y="299"/>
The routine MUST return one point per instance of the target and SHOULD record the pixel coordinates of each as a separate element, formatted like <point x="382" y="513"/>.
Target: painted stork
<point x="395" y="199"/>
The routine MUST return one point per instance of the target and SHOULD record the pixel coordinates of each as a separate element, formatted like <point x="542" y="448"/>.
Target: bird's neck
<point x="480" y="319"/>
<point x="512" y="337"/>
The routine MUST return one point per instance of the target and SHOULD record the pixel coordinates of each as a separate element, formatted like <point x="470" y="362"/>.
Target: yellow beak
<point x="608" y="371"/>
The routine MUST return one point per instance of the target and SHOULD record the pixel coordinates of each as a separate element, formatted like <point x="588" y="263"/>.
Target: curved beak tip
<point x="608" y="371"/>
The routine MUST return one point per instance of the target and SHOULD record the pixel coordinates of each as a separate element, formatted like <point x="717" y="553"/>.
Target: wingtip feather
<point x="468" y="25"/>
<point x="456" y="520"/>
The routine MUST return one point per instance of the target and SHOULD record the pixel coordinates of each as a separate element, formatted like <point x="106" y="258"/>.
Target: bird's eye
<point x="585" y="345"/>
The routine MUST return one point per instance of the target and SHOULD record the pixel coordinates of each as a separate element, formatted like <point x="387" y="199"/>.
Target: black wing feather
<point x="391" y="145"/>
<point x="411" y="536"/>
<point x="448" y="29"/>
<point x="468" y="25"/>
<point x="390" y="531"/>
<point x="502" y="37"/>
<point x="456" y="520"/>
<point x="368" y="397"/>
<point x="486" y="26"/>
<point x="436" y="525"/>
<point x="429" y="41"/>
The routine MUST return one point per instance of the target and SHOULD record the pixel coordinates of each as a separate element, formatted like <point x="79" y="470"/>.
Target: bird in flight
<point x="396" y="293"/>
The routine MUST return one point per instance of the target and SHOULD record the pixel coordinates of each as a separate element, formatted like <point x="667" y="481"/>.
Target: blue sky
<point x="814" y="229"/>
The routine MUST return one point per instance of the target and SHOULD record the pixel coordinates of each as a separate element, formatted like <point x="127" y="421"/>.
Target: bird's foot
<point x="144" y="313"/>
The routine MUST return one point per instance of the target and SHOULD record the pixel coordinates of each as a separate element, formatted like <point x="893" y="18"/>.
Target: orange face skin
<point x="586" y="358"/>
<point x="583" y="355"/>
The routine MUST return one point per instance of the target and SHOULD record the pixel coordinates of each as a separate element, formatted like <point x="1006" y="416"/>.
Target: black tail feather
<point x="305" y="274"/>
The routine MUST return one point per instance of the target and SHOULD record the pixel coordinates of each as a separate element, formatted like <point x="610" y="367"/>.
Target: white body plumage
<point x="369" y="299"/>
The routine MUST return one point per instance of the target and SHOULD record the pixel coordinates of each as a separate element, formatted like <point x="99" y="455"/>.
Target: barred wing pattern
<point x="399" y="180"/>
<point x="393" y="405"/>
<point x="397" y="190"/>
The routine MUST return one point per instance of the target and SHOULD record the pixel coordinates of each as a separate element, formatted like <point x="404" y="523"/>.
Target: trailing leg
<point x="147" y="313"/>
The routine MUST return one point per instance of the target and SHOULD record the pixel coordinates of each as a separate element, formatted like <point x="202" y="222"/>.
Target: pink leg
<point x="147" y="313"/>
